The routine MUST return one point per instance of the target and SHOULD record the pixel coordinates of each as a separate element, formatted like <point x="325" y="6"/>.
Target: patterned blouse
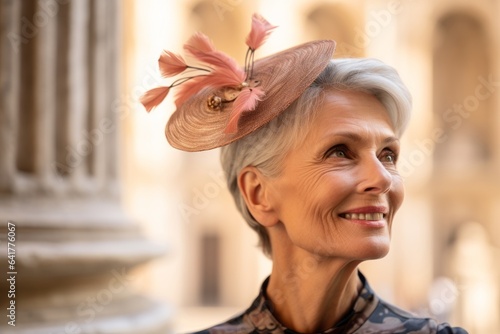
<point x="369" y="315"/>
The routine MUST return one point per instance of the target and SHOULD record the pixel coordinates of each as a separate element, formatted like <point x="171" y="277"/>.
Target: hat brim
<point x="283" y="76"/>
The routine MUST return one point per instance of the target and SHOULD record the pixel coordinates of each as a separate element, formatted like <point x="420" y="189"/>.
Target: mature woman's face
<point x="339" y="190"/>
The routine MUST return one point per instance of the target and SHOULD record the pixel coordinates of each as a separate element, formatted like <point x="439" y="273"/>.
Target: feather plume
<point x="216" y="59"/>
<point x="246" y="101"/>
<point x="259" y="32"/>
<point x="200" y="42"/>
<point x="221" y="77"/>
<point x="188" y="89"/>
<point x="171" y="64"/>
<point x="154" y="97"/>
<point x="201" y="48"/>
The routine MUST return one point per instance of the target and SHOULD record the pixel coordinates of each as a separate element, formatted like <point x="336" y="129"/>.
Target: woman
<point x="309" y="147"/>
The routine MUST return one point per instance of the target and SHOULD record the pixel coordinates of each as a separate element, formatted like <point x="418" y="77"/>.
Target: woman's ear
<point x="253" y="188"/>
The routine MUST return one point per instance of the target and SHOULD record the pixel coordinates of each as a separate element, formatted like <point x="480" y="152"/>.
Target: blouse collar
<point x="261" y="315"/>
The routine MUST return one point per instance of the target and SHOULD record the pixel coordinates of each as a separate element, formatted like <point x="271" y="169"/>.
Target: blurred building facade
<point x="447" y="52"/>
<point x="75" y="77"/>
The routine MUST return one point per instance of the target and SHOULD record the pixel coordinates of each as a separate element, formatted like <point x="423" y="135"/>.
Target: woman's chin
<point x="376" y="248"/>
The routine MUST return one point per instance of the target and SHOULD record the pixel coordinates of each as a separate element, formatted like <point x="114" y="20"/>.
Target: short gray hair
<point x="266" y="147"/>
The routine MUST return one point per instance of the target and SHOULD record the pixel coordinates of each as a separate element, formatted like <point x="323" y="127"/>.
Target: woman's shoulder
<point x="395" y="318"/>
<point x="445" y="328"/>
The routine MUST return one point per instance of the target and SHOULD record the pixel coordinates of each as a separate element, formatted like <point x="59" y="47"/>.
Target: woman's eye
<point x="388" y="156"/>
<point x="338" y="154"/>
<point x="339" y="151"/>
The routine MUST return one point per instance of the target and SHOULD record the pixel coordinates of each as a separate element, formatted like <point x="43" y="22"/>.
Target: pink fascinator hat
<point x="217" y="101"/>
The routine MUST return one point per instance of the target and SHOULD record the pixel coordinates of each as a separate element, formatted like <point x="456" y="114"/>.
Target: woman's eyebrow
<point x="390" y="140"/>
<point x="349" y="135"/>
<point x="355" y="137"/>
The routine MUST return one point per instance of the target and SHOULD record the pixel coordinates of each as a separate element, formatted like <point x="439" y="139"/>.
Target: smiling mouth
<point x="363" y="216"/>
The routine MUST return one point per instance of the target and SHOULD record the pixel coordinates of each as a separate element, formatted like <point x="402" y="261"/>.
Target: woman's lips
<point x="363" y="216"/>
<point x="370" y="215"/>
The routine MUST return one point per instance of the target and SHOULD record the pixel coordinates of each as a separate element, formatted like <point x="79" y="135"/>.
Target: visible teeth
<point x="364" y="216"/>
<point x="370" y="216"/>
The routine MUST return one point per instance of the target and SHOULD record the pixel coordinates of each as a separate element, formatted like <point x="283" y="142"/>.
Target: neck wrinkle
<point x="310" y="294"/>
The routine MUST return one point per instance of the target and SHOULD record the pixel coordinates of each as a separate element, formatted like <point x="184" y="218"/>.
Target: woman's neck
<point x="311" y="294"/>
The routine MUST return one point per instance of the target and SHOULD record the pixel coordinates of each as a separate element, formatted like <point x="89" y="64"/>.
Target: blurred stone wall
<point x="66" y="244"/>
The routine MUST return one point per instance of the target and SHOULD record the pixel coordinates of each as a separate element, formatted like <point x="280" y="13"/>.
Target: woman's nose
<point x="374" y="177"/>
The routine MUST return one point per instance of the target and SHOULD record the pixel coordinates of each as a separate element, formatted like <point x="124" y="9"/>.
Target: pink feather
<point x="225" y="70"/>
<point x="259" y="32"/>
<point x="246" y="101"/>
<point x="216" y="59"/>
<point x="200" y="42"/>
<point x="188" y="89"/>
<point x="200" y="47"/>
<point x="154" y="97"/>
<point x="220" y="77"/>
<point x="171" y="64"/>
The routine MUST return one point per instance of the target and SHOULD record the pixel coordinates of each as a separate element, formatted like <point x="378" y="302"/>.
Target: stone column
<point x="59" y="181"/>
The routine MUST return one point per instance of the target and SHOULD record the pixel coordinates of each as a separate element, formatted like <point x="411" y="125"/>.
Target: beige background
<point x="444" y="50"/>
<point x="119" y="233"/>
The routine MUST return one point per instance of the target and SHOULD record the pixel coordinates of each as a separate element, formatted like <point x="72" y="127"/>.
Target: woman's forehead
<point x="349" y="108"/>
